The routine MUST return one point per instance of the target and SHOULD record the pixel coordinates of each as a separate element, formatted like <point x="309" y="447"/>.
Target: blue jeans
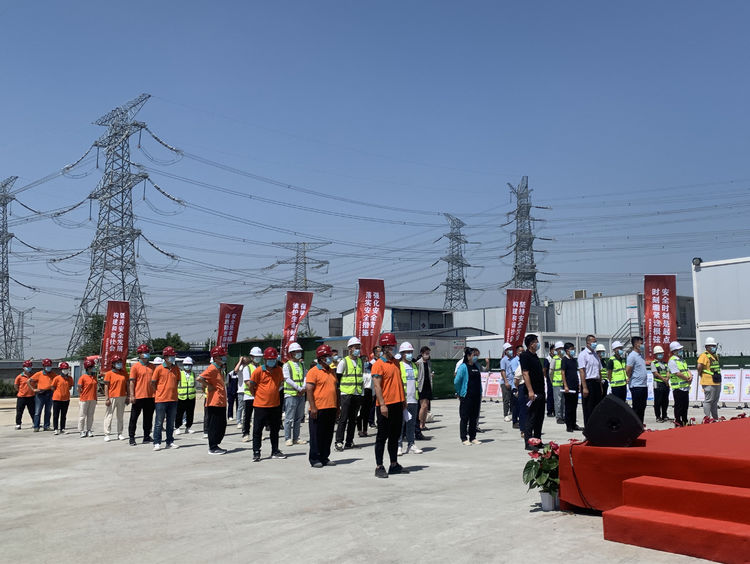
<point x="43" y="400"/>
<point x="407" y="428"/>
<point x="164" y="409"/>
<point x="294" y="411"/>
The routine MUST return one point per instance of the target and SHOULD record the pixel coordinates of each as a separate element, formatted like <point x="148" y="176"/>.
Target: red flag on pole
<point x="517" y="306"/>
<point x="369" y="317"/>
<point x="660" y="315"/>
<point x="297" y="307"/>
<point x="116" y="331"/>
<point x="229" y="323"/>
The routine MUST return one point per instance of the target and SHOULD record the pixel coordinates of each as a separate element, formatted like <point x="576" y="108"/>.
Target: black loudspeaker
<point x="613" y="423"/>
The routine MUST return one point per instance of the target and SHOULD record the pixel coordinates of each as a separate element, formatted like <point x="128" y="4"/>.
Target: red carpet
<point x="683" y="490"/>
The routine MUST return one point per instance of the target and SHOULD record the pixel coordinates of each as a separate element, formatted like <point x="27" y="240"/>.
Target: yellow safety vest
<point x="676" y="382"/>
<point x="619" y="377"/>
<point x="297" y="375"/>
<point x="557" y="378"/>
<point x="351" y="380"/>
<point x="661" y="369"/>
<point x="186" y="387"/>
<point x="714" y="368"/>
<point x="403" y="377"/>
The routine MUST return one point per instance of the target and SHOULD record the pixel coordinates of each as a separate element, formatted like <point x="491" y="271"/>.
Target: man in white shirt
<point x="589" y="368"/>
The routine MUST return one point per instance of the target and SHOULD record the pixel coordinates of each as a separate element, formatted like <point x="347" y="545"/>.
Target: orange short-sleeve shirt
<point x="217" y="397"/>
<point x="393" y="386"/>
<point x="141" y="374"/>
<point x="62" y="386"/>
<point x="325" y="391"/>
<point x="43" y="379"/>
<point x="87" y="388"/>
<point x="268" y="383"/>
<point x="24" y="391"/>
<point x="166" y="383"/>
<point x="117" y="380"/>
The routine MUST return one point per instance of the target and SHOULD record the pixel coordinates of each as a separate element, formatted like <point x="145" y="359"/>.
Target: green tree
<point x="170" y="340"/>
<point x="92" y="336"/>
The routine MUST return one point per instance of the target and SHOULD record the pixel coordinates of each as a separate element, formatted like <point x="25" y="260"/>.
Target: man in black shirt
<point x="571" y="385"/>
<point x="533" y="377"/>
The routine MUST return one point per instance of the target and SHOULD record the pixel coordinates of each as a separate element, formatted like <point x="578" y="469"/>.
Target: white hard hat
<point x="507" y="346"/>
<point x="157" y="360"/>
<point x="617" y="345"/>
<point x="710" y="341"/>
<point x="559" y="345"/>
<point x="187" y="360"/>
<point x="601" y="348"/>
<point x="405" y="346"/>
<point x="353" y="341"/>
<point x="658" y="349"/>
<point x="674" y="346"/>
<point x="255" y="351"/>
<point x="293" y="347"/>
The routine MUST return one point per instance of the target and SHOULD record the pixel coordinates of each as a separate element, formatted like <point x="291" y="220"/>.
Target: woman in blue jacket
<point x="468" y="384"/>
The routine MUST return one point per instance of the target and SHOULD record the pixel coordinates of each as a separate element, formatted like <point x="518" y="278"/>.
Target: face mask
<point x="592" y="346"/>
<point x="170" y="359"/>
<point x="26" y="369"/>
<point x="271" y="363"/>
<point x="297" y="355"/>
<point x="328" y="360"/>
<point x="257" y="359"/>
<point x="561" y="353"/>
<point x="642" y="347"/>
<point x="224" y="359"/>
<point x="619" y="353"/>
<point x="712" y="349"/>
<point x="117" y="366"/>
<point x="474" y="359"/>
<point x="356" y="353"/>
<point x="659" y="356"/>
<point x="188" y="368"/>
<point x="145" y="356"/>
<point x="382" y="354"/>
<point x="335" y="357"/>
<point x="409" y="356"/>
<point x="678" y="353"/>
<point x="509" y="352"/>
<point x="47" y="368"/>
<point x="572" y="353"/>
<point x="65" y="372"/>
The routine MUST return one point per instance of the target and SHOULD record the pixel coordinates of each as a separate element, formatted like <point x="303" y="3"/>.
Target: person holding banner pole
<point x="215" y="415"/>
<point x="141" y="395"/>
<point x="390" y="402"/>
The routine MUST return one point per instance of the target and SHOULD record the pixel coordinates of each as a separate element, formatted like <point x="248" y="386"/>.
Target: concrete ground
<point x="67" y="499"/>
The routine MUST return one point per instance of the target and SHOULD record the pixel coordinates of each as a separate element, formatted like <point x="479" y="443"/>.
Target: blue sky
<point x="630" y="120"/>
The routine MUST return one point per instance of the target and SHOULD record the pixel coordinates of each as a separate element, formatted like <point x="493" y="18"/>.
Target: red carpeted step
<point x="711" y="501"/>
<point x="713" y="539"/>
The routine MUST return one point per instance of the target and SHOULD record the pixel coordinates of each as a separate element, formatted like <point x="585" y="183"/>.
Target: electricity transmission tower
<point x="7" y="332"/>
<point x="113" y="274"/>
<point x="455" y="281"/>
<point x="20" y="331"/>
<point x="301" y="282"/>
<point x="522" y="243"/>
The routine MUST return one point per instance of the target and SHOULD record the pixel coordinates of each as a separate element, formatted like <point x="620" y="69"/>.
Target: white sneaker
<point x="83" y="434"/>
<point x="120" y="437"/>
<point x="178" y="431"/>
<point x="289" y="442"/>
<point x="62" y="431"/>
<point x="399" y="452"/>
<point x="172" y="445"/>
<point x="18" y="427"/>
<point x="245" y="438"/>
<point x="189" y="430"/>
<point x="507" y="418"/>
<point x="106" y="438"/>
<point x="300" y="442"/>
<point x="157" y="446"/>
<point x="414" y="449"/>
<point x="205" y="435"/>
<point x="231" y="418"/>
<point x="467" y="442"/>
<point x="56" y="432"/>
<point x="476" y="442"/>
<point x="91" y="433"/>
<point x="239" y="425"/>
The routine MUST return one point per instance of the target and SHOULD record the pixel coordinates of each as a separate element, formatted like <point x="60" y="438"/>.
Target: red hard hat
<point x="64" y="366"/>
<point x="116" y="358"/>
<point x="270" y="354"/>
<point x="387" y="339"/>
<point x="28" y="364"/>
<point x="46" y="362"/>
<point x="88" y="363"/>
<point x="168" y="351"/>
<point x="323" y="350"/>
<point x="218" y="351"/>
<point x="143" y="349"/>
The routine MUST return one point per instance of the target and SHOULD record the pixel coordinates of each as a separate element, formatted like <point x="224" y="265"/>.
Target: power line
<point x="455" y="280"/>
<point x="8" y="343"/>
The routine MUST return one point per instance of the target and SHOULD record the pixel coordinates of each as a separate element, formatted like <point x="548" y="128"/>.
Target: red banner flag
<point x="229" y="323"/>
<point x="297" y="307"/>
<point x="115" y="336"/>
<point x="660" y="301"/>
<point x="517" y="307"/>
<point x="369" y="317"/>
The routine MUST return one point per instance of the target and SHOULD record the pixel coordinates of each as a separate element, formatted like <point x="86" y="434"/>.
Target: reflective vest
<point x="619" y="377"/>
<point x="557" y="379"/>
<point x="403" y="377"/>
<point x="186" y="387"/>
<point x="715" y="368"/>
<point x="677" y="382"/>
<point x="351" y="379"/>
<point x="603" y="371"/>
<point x="661" y="369"/>
<point x="246" y="387"/>
<point x="297" y="375"/>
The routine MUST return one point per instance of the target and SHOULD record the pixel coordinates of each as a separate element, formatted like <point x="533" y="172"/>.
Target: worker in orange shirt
<point x="215" y="414"/>
<point x="164" y="381"/>
<point x="323" y="397"/>
<point x="87" y="385"/>
<point x="141" y="395"/>
<point x="61" y="385"/>
<point x="116" y="392"/>
<point x="388" y="389"/>
<point x="265" y="383"/>
<point x="24" y="394"/>
<point x="41" y="383"/>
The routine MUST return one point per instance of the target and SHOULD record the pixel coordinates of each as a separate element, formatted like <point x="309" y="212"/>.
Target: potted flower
<point x="542" y="472"/>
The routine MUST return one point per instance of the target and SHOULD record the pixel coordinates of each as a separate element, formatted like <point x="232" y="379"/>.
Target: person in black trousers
<point x="661" y="385"/>
<point x="323" y="397"/>
<point x="533" y="377"/>
<point x="571" y="385"/>
<point x="468" y="383"/>
<point x="388" y="389"/>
